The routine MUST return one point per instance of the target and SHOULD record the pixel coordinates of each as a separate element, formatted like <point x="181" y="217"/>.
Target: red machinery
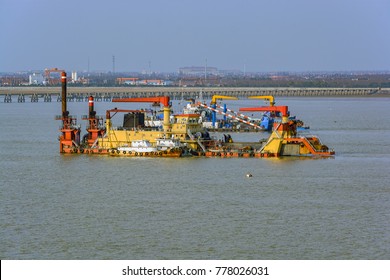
<point x="286" y="125"/>
<point x="281" y="109"/>
<point x="95" y="125"/>
<point x="70" y="138"/>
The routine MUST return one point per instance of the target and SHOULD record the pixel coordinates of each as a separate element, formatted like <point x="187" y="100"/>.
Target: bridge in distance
<point x="49" y="94"/>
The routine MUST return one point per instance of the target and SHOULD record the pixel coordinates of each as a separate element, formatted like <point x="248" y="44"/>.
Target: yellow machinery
<point x="183" y="127"/>
<point x="215" y="97"/>
<point x="266" y="97"/>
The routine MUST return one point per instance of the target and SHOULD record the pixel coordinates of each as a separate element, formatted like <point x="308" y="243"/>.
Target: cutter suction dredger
<point x="179" y="135"/>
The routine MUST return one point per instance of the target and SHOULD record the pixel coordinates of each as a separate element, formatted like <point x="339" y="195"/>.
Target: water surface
<point x="95" y="207"/>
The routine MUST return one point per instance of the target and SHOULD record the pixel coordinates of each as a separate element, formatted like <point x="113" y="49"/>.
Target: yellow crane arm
<point x="215" y="97"/>
<point x="266" y="97"/>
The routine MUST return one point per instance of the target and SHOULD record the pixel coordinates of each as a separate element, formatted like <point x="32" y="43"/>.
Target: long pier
<point x="79" y="94"/>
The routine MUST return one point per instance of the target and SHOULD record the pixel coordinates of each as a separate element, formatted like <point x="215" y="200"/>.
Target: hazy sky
<point x="258" y="35"/>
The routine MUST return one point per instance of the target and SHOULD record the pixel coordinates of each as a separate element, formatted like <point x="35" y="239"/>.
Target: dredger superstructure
<point x="180" y="134"/>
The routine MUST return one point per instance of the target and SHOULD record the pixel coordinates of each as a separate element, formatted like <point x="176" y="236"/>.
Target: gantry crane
<point x="49" y="79"/>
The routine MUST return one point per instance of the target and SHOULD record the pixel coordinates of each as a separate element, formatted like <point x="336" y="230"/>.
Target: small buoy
<point x="248" y="175"/>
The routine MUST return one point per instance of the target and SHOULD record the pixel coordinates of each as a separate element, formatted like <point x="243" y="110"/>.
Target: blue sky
<point x="258" y="35"/>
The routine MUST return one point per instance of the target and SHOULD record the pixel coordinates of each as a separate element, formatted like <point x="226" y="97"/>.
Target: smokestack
<point x="63" y="94"/>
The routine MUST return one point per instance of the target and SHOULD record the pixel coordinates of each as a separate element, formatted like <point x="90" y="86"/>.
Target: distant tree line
<point x="336" y="80"/>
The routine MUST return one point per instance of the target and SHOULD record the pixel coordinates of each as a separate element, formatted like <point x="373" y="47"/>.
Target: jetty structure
<point x="180" y="134"/>
<point x="81" y="94"/>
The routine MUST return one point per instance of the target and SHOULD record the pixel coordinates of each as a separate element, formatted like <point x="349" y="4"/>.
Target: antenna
<point x="113" y="64"/>
<point x="205" y="71"/>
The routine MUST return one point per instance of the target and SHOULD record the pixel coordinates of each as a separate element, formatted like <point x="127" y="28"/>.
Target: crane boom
<point x="215" y="97"/>
<point x="157" y="99"/>
<point x="164" y="100"/>
<point x="266" y="97"/>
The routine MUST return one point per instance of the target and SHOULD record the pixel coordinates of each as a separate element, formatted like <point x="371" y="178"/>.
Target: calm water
<point x="94" y="207"/>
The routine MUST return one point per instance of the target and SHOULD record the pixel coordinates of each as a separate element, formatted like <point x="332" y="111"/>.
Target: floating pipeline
<point x="208" y="154"/>
<point x="85" y="150"/>
<point x="186" y="129"/>
<point x="171" y="153"/>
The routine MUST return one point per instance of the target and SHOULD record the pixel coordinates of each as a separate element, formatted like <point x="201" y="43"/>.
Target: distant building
<point x="198" y="71"/>
<point x="35" y="79"/>
<point x="137" y="82"/>
<point x="191" y="81"/>
<point x="74" y="77"/>
<point x="127" y="81"/>
<point x="154" y="83"/>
